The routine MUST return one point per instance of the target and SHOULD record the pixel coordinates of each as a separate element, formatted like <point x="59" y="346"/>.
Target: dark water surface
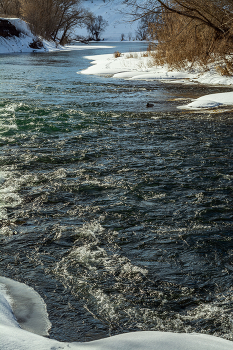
<point x="120" y="217"/>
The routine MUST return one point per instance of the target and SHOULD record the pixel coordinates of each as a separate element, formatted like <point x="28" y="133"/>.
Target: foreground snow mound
<point x="211" y="101"/>
<point x="13" y="337"/>
<point x="25" y="42"/>
<point x="28" y="308"/>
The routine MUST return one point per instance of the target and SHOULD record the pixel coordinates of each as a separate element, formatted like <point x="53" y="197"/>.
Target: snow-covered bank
<point x="23" y="42"/>
<point x="140" y="66"/>
<point x="15" y="295"/>
<point x="133" y="66"/>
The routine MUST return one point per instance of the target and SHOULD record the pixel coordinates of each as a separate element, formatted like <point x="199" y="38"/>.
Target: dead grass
<point x="132" y="55"/>
<point x="116" y="54"/>
<point x="226" y="69"/>
<point x="183" y="42"/>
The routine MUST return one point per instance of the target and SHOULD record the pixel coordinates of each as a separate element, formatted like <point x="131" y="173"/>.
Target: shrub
<point x="117" y="54"/>
<point x="226" y="69"/>
<point x="185" y="32"/>
<point x="182" y="40"/>
<point x="36" y="44"/>
<point x="145" y="54"/>
<point x="10" y="8"/>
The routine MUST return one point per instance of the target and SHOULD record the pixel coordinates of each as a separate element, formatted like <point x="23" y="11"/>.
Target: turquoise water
<point x="119" y="216"/>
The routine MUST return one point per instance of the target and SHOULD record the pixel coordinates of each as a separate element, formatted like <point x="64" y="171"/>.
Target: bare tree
<point x="143" y="32"/>
<point x="69" y="16"/>
<point x="96" y="26"/>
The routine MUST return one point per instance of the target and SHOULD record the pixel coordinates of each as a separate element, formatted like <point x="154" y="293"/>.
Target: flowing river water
<point x="118" y="215"/>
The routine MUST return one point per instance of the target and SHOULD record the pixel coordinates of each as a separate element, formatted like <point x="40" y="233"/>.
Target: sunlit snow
<point x="139" y="66"/>
<point x="31" y="308"/>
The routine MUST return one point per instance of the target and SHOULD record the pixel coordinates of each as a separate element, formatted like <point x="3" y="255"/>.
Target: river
<point x="118" y="215"/>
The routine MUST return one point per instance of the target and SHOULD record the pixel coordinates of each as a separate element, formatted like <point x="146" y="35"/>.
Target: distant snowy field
<point x="139" y="66"/>
<point x="18" y="301"/>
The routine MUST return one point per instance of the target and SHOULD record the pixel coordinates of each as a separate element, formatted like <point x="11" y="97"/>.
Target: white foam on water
<point x="3" y="216"/>
<point x="8" y="198"/>
<point x="3" y="211"/>
<point x="10" y="183"/>
<point x="91" y="256"/>
<point x="8" y="195"/>
<point x="81" y="268"/>
<point x="9" y="121"/>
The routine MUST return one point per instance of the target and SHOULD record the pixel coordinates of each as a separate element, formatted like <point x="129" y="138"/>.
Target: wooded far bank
<point x="184" y="32"/>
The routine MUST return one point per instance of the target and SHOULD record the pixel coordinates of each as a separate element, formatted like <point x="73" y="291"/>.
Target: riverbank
<point x="140" y="66"/>
<point x="16" y="37"/>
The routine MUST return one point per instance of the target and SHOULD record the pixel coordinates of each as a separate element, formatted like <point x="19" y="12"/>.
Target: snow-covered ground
<point x="16" y="44"/>
<point x="20" y="301"/>
<point x="140" y="66"/>
<point x="20" y="44"/>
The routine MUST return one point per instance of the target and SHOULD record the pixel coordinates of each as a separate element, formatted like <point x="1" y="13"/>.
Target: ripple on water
<point x="122" y="220"/>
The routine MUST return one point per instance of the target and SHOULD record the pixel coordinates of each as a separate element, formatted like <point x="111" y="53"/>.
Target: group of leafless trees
<point x="188" y="30"/>
<point x="95" y="27"/>
<point x="54" y="19"/>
